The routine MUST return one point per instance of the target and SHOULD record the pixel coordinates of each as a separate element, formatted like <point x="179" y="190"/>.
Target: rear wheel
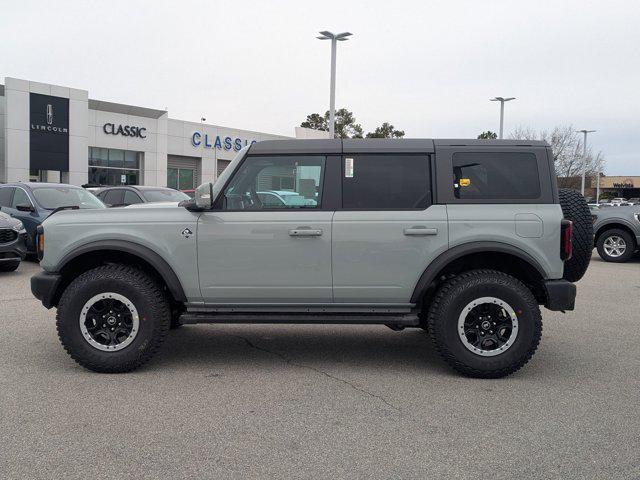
<point x="616" y="245"/>
<point x="575" y="208"/>
<point x="113" y="318"/>
<point x="485" y="323"/>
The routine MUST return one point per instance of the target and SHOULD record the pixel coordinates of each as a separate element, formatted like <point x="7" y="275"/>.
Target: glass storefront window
<point x="131" y="159"/>
<point x="172" y="178"/>
<point x="116" y="158"/>
<point x="181" y="178"/>
<point x="185" y="178"/>
<point x="108" y="166"/>
<point x="98" y="156"/>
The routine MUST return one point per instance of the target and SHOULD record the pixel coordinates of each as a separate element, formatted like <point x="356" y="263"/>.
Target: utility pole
<point x="502" y="100"/>
<point x="584" y="158"/>
<point x="335" y="38"/>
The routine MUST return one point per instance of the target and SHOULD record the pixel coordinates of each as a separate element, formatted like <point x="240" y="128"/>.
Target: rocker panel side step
<point x="407" y="320"/>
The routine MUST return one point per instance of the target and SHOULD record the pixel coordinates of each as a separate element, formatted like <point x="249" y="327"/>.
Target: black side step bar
<point x="406" y="320"/>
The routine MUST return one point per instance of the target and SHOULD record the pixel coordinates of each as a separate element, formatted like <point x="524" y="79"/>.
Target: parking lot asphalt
<point x="255" y="401"/>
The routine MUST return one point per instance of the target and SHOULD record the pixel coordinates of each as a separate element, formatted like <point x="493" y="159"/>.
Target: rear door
<point x="387" y="230"/>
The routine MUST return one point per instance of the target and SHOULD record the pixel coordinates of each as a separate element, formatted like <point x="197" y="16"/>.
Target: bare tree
<point x="566" y="145"/>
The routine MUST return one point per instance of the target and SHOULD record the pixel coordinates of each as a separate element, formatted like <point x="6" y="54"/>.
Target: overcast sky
<point x="428" y="67"/>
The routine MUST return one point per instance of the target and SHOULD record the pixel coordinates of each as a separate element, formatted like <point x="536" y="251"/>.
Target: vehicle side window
<point x="20" y="198"/>
<point x="386" y="182"/>
<point x="131" y="198"/>
<point x="495" y="176"/>
<point x="5" y="196"/>
<point x="113" y="197"/>
<point x="276" y="182"/>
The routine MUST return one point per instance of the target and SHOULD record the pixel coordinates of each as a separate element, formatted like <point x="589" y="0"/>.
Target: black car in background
<point x="125" y="195"/>
<point x="32" y="202"/>
<point x="13" y="246"/>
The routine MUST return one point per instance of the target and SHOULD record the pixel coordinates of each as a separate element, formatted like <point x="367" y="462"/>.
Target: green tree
<point x="386" y="130"/>
<point x="345" y="123"/>
<point x="316" y="121"/>
<point x="488" y="135"/>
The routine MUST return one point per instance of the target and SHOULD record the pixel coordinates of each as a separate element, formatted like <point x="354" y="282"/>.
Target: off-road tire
<point x="146" y="295"/>
<point x="626" y="236"/>
<point x="9" y="267"/>
<point x="451" y="299"/>
<point x="575" y="208"/>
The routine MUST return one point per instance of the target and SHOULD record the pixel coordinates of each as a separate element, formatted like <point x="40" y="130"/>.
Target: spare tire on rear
<point x="575" y="208"/>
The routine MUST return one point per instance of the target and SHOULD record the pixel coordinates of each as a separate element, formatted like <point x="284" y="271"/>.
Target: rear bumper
<point x="561" y="295"/>
<point x="44" y="286"/>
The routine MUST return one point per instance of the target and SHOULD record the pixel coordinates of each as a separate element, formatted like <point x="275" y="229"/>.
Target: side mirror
<point x="25" y="207"/>
<point x="204" y="196"/>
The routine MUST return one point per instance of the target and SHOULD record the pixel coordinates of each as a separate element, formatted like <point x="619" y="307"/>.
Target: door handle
<point x="305" y="232"/>
<point x="418" y="230"/>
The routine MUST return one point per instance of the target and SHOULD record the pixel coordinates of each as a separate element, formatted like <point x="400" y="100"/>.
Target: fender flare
<point x="460" y="251"/>
<point x="145" y="253"/>
<point x="613" y="221"/>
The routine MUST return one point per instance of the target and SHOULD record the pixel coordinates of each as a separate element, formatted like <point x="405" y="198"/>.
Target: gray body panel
<point x="378" y="257"/>
<point x="249" y="257"/>
<point x="534" y="229"/>
<point x="158" y="229"/>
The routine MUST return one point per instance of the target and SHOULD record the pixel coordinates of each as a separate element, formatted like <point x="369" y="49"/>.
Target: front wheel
<point x="485" y="323"/>
<point x="113" y="318"/>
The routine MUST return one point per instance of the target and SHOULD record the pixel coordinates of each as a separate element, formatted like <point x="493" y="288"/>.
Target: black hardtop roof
<point x="379" y="145"/>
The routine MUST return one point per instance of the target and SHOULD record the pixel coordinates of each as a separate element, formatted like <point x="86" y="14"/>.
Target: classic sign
<point x="124" y="130"/>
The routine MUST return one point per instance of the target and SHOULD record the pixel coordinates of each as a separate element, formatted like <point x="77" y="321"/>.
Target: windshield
<point x="54" y="197"/>
<point x="164" y="195"/>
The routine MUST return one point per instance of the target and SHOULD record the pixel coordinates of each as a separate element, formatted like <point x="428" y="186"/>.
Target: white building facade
<point x="59" y="134"/>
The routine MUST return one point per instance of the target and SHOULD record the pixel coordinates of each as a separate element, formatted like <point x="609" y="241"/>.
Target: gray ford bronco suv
<point x="463" y="238"/>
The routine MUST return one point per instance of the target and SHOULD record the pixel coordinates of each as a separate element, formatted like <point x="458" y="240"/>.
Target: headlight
<point x="18" y="227"/>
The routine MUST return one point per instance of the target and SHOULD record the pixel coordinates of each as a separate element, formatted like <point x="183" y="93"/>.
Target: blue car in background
<point x="32" y="202"/>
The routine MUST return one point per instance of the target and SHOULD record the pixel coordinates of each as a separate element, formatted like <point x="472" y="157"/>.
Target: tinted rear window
<point x="495" y="176"/>
<point x="385" y="182"/>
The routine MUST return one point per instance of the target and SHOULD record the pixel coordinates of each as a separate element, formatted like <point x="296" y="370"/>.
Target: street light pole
<point x="502" y="100"/>
<point x="335" y="38"/>
<point x="584" y="158"/>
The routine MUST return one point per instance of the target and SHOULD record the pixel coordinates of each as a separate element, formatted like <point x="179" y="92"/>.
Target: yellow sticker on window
<point x="465" y="182"/>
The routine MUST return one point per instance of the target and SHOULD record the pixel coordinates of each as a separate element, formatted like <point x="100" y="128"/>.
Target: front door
<point x="270" y="240"/>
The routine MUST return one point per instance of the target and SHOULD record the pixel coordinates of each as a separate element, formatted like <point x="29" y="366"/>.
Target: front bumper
<point x="14" y="251"/>
<point x="561" y="295"/>
<point x="44" y="287"/>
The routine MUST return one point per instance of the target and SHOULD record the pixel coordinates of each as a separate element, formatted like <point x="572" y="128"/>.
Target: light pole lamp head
<point x="585" y="131"/>
<point x="502" y="99"/>
<point x="340" y="37"/>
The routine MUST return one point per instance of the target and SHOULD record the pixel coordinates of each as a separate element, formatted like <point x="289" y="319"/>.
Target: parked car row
<point x="615" y="202"/>
<point x="25" y="205"/>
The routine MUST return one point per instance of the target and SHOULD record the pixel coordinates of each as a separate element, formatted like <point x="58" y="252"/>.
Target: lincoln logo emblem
<point x="49" y="114"/>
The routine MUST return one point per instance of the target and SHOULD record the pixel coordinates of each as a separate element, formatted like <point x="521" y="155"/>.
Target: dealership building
<point x="59" y="134"/>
